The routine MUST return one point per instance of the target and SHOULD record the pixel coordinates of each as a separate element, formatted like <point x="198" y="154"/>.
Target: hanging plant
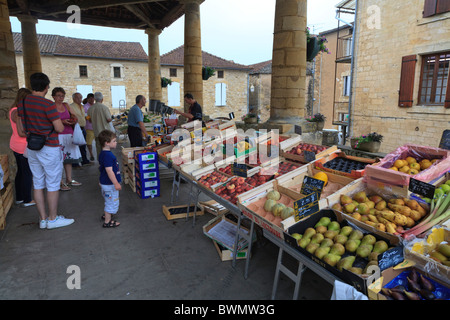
<point x="207" y="72"/>
<point x="165" y="82"/>
<point x="314" y="45"/>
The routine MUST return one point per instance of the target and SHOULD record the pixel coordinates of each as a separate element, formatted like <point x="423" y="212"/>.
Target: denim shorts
<point x="111" y="196"/>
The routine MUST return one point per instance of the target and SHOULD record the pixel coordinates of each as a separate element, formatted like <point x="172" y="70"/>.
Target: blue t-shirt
<point x="135" y="116"/>
<point x="108" y="159"/>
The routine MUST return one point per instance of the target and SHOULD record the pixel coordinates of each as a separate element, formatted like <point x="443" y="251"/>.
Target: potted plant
<point x="314" y="45"/>
<point x="207" y="72"/>
<point x="319" y="119"/>
<point x="369" y="143"/>
<point x="165" y="82"/>
<point x="250" y="118"/>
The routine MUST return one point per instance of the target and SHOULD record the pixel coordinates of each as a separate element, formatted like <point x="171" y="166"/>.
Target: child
<point x="109" y="177"/>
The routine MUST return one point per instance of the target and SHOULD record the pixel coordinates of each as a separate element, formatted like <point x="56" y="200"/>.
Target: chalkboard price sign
<point x="306" y="206"/>
<point x="390" y="258"/>
<point x="445" y="140"/>
<point x="311" y="185"/>
<point x="309" y="156"/>
<point x="421" y="188"/>
<point x="239" y="169"/>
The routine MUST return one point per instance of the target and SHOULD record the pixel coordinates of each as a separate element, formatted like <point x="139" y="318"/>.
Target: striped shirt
<point x="40" y="113"/>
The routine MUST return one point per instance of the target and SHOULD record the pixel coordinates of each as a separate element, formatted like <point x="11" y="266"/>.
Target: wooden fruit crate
<point x="5" y="167"/>
<point x="179" y="212"/>
<point x="6" y="199"/>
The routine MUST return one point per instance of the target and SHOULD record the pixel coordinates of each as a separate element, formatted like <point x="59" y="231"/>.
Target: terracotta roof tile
<point x="176" y="57"/>
<point x="262" y="67"/>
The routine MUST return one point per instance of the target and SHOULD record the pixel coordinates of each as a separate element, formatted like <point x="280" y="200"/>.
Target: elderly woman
<point x="71" y="152"/>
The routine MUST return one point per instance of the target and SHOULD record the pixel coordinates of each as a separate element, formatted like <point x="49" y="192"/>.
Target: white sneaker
<point x="59" y="222"/>
<point x="43" y="223"/>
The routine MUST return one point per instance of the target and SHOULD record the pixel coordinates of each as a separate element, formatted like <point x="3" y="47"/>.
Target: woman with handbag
<point x="18" y="144"/>
<point x="71" y="152"/>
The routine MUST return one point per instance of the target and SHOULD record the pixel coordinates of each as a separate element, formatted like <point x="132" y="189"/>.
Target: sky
<point x="237" y="30"/>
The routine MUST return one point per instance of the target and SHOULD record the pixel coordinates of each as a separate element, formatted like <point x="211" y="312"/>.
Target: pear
<point x="321" y="229"/>
<point x="346" y="263"/>
<point x="373" y="256"/>
<point x="337" y="207"/>
<point x="349" y="208"/>
<point x="337" y="249"/>
<point x="380" y="205"/>
<point x="375" y="198"/>
<point x="321" y="252"/>
<point x="303" y="242"/>
<point x="356" y="235"/>
<point x="296" y="236"/>
<point x="330" y="234"/>
<point x="311" y="247"/>
<point x="368" y="239"/>
<point x="371" y="263"/>
<point x="360" y="196"/>
<point x="346" y="230"/>
<point x="317" y="238"/>
<point x="351" y="245"/>
<point x="380" y="246"/>
<point x="340" y="238"/>
<point x="327" y="242"/>
<point x="364" y="250"/>
<point x="362" y="208"/>
<point x="345" y="199"/>
<point x="309" y="232"/>
<point x="331" y="259"/>
<point x="334" y="225"/>
<point x="324" y="221"/>
<point x="370" y="204"/>
<point x="356" y="270"/>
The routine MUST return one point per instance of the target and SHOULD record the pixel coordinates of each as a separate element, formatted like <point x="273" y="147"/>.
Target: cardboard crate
<point x="293" y="182"/>
<point x="179" y="212"/>
<point x="213" y="207"/>
<point x="358" y="281"/>
<point x="246" y="200"/>
<point x="381" y="173"/>
<point x="301" y="157"/>
<point x="227" y="255"/>
<point x="354" y="174"/>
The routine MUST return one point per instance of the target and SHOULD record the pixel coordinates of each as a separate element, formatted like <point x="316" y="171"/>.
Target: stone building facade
<point x="120" y="71"/>
<point x="393" y="57"/>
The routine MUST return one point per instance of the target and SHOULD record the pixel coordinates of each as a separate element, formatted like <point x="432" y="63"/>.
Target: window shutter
<point x="443" y="6"/>
<point x="429" y="8"/>
<point x="447" y="93"/>
<point x="406" y="91"/>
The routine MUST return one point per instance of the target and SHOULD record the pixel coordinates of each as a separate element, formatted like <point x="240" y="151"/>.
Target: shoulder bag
<point x="34" y="141"/>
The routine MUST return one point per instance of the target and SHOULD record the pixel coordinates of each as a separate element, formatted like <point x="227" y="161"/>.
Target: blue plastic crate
<point x="148" y="193"/>
<point x="148" y="184"/>
<point x="146" y="175"/>
<point x="146" y="157"/>
<point x="147" y="166"/>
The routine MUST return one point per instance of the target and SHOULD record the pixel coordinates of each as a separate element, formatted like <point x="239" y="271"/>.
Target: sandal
<point x="111" y="224"/>
<point x="64" y="187"/>
<point x="75" y="183"/>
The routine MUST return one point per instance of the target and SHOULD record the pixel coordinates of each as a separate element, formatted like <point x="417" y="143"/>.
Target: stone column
<point x="288" y="87"/>
<point x="30" y="47"/>
<point x="9" y="83"/>
<point x="154" y="65"/>
<point x="193" y="82"/>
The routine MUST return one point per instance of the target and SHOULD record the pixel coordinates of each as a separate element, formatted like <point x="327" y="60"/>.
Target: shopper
<point x="78" y="110"/>
<point x="18" y="144"/>
<point x="71" y="152"/>
<point x="136" y="127"/>
<point x="87" y="103"/>
<point x="109" y="177"/>
<point x="100" y="116"/>
<point x="40" y="116"/>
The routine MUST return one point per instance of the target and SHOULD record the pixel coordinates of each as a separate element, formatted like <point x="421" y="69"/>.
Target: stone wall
<point x="378" y="67"/>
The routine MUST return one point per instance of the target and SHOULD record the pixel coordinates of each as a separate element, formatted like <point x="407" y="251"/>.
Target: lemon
<point x="321" y="176"/>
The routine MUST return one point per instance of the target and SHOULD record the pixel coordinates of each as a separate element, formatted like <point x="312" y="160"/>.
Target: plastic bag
<point x="78" y="137"/>
<point x="343" y="291"/>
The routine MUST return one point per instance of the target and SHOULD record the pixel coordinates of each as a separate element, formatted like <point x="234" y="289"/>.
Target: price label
<point x="239" y="169"/>
<point x="309" y="156"/>
<point x="421" y="188"/>
<point x="311" y="185"/>
<point x="306" y="206"/>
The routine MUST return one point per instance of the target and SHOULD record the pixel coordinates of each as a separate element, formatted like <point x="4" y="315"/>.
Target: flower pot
<point x="371" y="146"/>
<point x="251" y="120"/>
<point x="320" y="125"/>
<point x="312" y="48"/>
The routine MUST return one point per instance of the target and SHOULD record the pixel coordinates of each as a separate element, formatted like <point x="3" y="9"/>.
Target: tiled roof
<point x="66" y="46"/>
<point x="262" y="67"/>
<point x="176" y="57"/>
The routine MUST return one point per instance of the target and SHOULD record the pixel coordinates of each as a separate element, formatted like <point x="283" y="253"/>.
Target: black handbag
<point x="34" y="141"/>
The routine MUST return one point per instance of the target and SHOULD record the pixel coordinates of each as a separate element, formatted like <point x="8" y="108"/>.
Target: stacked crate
<point x="146" y="174"/>
<point x="6" y="194"/>
<point x="128" y="166"/>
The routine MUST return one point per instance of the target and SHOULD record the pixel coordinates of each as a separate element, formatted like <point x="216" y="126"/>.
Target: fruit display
<point x="441" y="189"/>
<point x="434" y="246"/>
<point x="234" y="187"/>
<point x="341" y="246"/>
<point x="274" y="207"/>
<point x="395" y="216"/>
<point x="344" y="164"/>
<point x="280" y="168"/>
<point x="212" y="178"/>
<point x="411" y="165"/>
<point x="258" y="179"/>
<point x="298" y="150"/>
<point x="413" y="285"/>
